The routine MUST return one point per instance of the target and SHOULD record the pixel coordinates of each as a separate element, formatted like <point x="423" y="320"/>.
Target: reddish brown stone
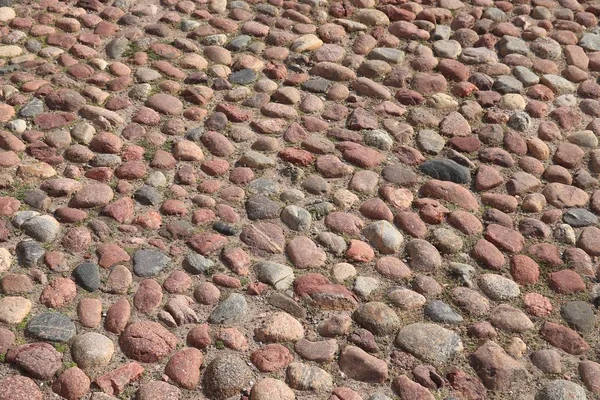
<point x="564" y="338"/>
<point x="524" y="270"/>
<point x="115" y="381"/>
<point x="272" y="357"/>
<point x="566" y="282"/>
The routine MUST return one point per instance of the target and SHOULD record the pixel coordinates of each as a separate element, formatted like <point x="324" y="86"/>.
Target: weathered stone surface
<point x="429" y="342"/>
<point x="225" y="376"/>
<point x="248" y="170"/>
<point x="147" y="341"/>
<point x="496" y="369"/>
<point x="361" y="366"/>
<point x="451" y="192"/>
<point x="446" y="170"/>
<point x="92" y="350"/>
<point x="55" y="327"/>
<point x="305" y="377"/>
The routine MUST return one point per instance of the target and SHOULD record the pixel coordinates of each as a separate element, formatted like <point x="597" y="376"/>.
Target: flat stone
<point x="579" y="315"/>
<point x="429" y="342"/>
<point x="277" y="275"/>
<point x="377" y="318"/>
<point x="51" y="326"/>
<point x="564" y="338"/>
<point x="231" y="310"/>
<point x="155" y="390"/>
<point x="91" y="196"/>
<point x="149" y="262"/>
<point x="287" y="304"/>
<point x="165" y="104"/>
<point x="243" y="77"/>
<point x="387" y="54"/>
<point x="439" y="311"/>
<point x="115" y="381"/>
<point x="579" y="217"/>
<point x="590" y="41"/>
<point x="20" y="388"/>
<point x="451" y="192"/>
<point x="306" y="377"/>
<point x="446" y="170"/>
<point x="197" y="264"/>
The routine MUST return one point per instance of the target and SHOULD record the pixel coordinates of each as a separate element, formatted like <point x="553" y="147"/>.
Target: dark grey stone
<point x="507" y="84"/>
<point x="87" y="275"/>
<point x="439" y="311"/>
<point x="317" y="85"/>
<point x="243" y="77"/>
<point x="320" y="209"/>
<point x="579" y="315"/>
<point x="130" y="20"/>
<point x="6" y="69"/>
<point x="31" y="109"/>
<point x="231" y="310"/>
<point x="446" y="170"/>
<point x="149" y="262"/>
<point x="519" y="121"/>
<point x="239" y="43"/>
<point x="224" y="228"/>
<point x="148" y="196"/>
<point x="261" y="207"/>
<point x="52" y="326"/>
<point x="264" y="186"/>
<point x="37" y="199"/>
<point x="29" y="253"/>
<point x="116" y="47"/>
<point x="194" y="134"/>
<point x="579" y="217"/>
<point x="197" y="264"/>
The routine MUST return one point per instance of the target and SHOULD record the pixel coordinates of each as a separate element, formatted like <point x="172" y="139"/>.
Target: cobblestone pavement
<point x="313" y="199"/>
